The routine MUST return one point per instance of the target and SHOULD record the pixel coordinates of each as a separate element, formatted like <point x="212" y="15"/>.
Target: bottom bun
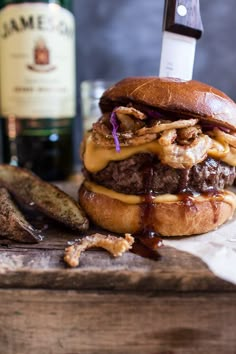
<point x="181" y="217"/>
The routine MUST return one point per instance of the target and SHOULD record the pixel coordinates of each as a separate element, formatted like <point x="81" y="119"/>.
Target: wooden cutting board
<point x="110" y="305"/>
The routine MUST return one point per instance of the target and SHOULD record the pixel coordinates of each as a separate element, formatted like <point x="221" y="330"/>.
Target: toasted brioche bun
<point x="183" y="98"/>
<point x="166" y="218"/>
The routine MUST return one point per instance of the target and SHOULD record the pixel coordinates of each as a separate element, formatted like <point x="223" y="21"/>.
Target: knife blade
<point x="182" y="26"/>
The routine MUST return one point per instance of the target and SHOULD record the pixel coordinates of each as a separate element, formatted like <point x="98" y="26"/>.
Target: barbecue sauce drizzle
<point x="216" y="198"/>
<point x="147" y="241"/>
<point x="186" y="195"/>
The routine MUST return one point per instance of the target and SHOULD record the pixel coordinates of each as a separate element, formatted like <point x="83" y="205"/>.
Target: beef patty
<point x="144" y="173"/>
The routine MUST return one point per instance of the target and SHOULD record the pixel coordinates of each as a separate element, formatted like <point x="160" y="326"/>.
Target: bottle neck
<point x="67" y="4"/>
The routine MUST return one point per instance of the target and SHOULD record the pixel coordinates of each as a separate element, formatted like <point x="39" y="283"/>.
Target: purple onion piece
<point x="209" y="126"/>
<point x="153" y="114"/>
<point x="226" y="130"/>
<point x="115" y="127"/>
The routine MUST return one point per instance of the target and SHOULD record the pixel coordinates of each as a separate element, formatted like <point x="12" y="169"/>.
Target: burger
<point x="160" y="158"/>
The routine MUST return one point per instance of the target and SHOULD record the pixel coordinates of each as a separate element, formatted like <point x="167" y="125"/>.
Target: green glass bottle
<point x="37" y="81"/>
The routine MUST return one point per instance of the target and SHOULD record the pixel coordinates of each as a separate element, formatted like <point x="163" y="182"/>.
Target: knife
<point x="182" y="26"/>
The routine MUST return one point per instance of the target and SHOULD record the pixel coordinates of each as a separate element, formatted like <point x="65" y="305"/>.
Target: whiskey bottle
<point x="37" y="85"/>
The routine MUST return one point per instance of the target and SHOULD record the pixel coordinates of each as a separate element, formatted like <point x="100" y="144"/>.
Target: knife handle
<point x="183" y="17"/>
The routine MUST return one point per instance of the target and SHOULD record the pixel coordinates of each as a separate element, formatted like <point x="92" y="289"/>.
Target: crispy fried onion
<point x="130" y="119"/>
<point x="168" y="137"/>
<point x="185" y="156"/>
<point x="145" y="135"/>
<point x="130" y="111"/>
<point x="159" y="126"/>
<point x="102" y="135"/>
<point x="221" y="135"/>
<point x="125" y="139"/>
<point x="186" y="135"/>
<point x="115" y="245"/>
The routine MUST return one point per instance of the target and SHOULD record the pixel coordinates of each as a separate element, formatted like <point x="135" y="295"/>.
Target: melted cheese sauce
<point x="227" y="196"/>
<point x="230" y="158"/>
<point x="96" y="157"/>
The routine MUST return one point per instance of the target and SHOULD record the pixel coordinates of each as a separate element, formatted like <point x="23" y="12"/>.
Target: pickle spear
<point x="13" y="225"/>
<point x="31" y="191"/>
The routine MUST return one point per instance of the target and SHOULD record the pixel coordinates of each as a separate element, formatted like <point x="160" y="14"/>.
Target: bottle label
<point x="37" y="61"/>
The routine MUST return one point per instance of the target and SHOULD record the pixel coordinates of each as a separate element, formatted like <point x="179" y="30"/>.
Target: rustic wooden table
<point x="125" y="305"/>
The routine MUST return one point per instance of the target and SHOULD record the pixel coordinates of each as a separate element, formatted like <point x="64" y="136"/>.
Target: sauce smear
<point x="147" y="241"/>
<point x="144" y="251"/>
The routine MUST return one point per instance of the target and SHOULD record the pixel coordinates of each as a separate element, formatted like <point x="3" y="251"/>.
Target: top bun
<point x="188" y="98"/>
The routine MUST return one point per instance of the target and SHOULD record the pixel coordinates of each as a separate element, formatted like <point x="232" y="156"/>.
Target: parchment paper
<point x="217" y="249"/>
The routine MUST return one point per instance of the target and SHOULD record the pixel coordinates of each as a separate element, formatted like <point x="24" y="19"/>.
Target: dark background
<point x="118" y="38"/>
